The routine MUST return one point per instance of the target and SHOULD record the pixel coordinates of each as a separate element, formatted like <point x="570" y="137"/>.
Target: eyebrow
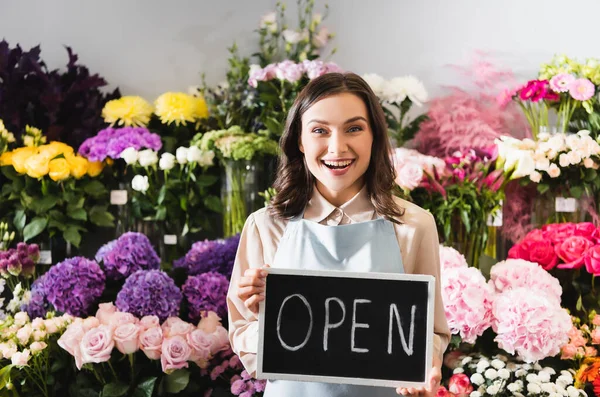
<point x="351" y="120"/>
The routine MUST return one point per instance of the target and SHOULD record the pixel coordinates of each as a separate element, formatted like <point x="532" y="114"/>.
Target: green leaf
<point x="78" y="214"/>
<point x="75" y="202"/>
<point x="464" y="217"/>
<point x="590" y="174"/>
<point x="206" y="180"/>
<point x="35" y="227"/>
<point x="19" y="220"/>
<point x="576" y="191"/>
<point x="99" y="216"/>
<point x="177" y="381"/>
<point x="161" y="195"/>
<point x="274" y="126"/>
<point x="213" y="203"/>
<point x="5" y="375"/>
<point x="72" y="235"/>
<point x="145" y="388"/>
<point x="543" y="188"/>
<point x="579" y="305"/>
<point x="94" y="188"/>
<point x="9" y="172"/>
<point x="45" y="204"/>
<point x="115" y="389"/>
<point x="161" y="213"/>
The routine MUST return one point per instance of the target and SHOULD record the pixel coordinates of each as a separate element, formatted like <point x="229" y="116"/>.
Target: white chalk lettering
<point x="329" y="326"/>
<point x="310" y="326"/>
<point x="408" y="349"/>
<point x="357" y="325"/>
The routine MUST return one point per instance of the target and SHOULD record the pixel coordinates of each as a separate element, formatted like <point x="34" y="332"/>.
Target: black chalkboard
<point x="306" y="327"/>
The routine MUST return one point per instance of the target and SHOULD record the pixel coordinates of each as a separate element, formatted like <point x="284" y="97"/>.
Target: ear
<point x="300" y="145"/>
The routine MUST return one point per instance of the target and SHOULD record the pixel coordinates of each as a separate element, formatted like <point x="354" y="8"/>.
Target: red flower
<point x="460" y="384"/>
<point x="592" y="260"/>
<point x="558" y="232"/>
<point x="443" y="392"/>
<point x="587" y="230"/>
<point x="572" y="251"/>
<point x="534" y="90"/>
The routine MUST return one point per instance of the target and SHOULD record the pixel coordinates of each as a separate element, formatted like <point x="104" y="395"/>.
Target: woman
<point x="335" y="169"/>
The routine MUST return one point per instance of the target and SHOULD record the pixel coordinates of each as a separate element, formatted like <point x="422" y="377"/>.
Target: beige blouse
<point x="417" y="238"/>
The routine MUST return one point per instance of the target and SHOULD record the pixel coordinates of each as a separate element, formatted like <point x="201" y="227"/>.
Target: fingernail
<point x="264" y="273"/>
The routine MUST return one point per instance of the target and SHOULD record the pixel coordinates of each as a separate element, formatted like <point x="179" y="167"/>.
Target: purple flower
<point x="210" y="256"/>
<point x="206" y="292"/>
<point x="126" y="255"/>
<point x="19" y="261"/>
<point x="74" y="285"/>
<point x="38" y="304"/>
<point x="238" y="387"/>
<point x="110" y="142"/>
<point x="149" y="292"/>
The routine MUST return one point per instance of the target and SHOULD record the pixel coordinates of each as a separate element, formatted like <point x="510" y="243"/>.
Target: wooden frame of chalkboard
<point x="262" y="373"/>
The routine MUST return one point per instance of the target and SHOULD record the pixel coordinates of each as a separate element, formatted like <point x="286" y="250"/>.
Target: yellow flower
<point x="6" y="158"/>
<point x="59" y="169"/>
<point x="78" y="165"/>
<point x="37" y="165"/>
<point x="19" y="156"/>
<point x="180" y="108"/>
<point x="95" y="168"/>
<point x="54" y="149"/>
<point x="33" y="136"/>
<point x="128" y="111"/>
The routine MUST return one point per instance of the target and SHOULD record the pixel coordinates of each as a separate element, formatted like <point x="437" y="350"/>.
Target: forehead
<point x="336" y="109"/>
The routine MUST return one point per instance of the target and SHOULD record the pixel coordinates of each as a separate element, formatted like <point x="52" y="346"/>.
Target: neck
<point x="339" y="198"/>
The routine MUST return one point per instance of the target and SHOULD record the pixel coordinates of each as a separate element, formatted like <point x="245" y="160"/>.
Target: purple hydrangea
<point x="210" y="256"/>
<point x="38" y="305"/>
<point x="149" y="292"/>
<point x="74" y="285"/>
<point x="128" y="254"/>
<point x="110" y="142"/>
<point x="206" y="292"/>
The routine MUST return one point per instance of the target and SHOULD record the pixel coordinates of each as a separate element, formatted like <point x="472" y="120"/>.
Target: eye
<point x="355" y="128"/>
<point x="319" y="131"/>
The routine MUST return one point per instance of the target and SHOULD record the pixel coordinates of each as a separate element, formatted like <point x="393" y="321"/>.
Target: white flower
<point x="397" y="89"/>
<point x="26" y="298"/>
<point x="514" y="387"/>
<point x="549" y="370"/>
<point x="130" y="155"/>
<point x="504" y="373"/>
<point x="269" y="21"/>
<point x="167" y="161"/>
<point x="574" y="157"/>
<point x="520" y="372"/>
<point x="194" y="90"/>
<point x="532" y="378"/>
<point x="181" y="154"/>
<point x="475" y="394"/>
<point x="207" y="158"/>
<point x="534" y="388"/>
<point x="548" y="387"/>
<point x="524" y="164"/>
<point x="544" y="376"/>
<point x="376" y="82"/>
<point x="483" y="363"/>
<point x="493" y="389"/>
<point x="293" y="37"/>
<point x="140" y="183"/>
<point x="553" y="171"/>
<point x="564" y="160"/>
<point x="542" y="163"/>
<point x="589" y="163"/>
<point x="555" y="395"/>
<point x="491" y="373"/>
<point x="466" y="360"/>
<point x="567" y="379"/>
<point x="148" y="158"/>
<point x="535" y="177"/>
<point x="14" y="304"/>
<point x="573" y="392"/>
<point x="194" y="154"/>
<point x="458" y="370"/>
<point x="477" y="379"/>
<point x="498" y="364"/>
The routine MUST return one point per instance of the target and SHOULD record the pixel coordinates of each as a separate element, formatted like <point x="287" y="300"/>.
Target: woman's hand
<point x="435" y="378"/>
<point x="251" y="288"/>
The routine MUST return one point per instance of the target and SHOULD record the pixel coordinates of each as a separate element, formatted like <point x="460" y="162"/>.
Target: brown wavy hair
<point x="295" y="183"/>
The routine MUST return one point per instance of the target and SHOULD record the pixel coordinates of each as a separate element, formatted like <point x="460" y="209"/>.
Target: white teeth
<point x="338" y="163"/>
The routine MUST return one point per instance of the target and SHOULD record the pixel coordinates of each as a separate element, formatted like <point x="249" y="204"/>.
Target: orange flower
<point x="588" y="372"/>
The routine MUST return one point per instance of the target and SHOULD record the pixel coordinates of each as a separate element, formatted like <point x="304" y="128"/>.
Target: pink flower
<point x="572" y="251"/>
<point x="576" y="337"/>
<point x="596" y="320"/>
<point x="409" y="175"/>
<point x="20" y="358"/>
<point x="175" y="354"/>
<point x="568" y="352"/>
<point x="534" y="90"/>
<point x="539" y="251"/>
<point x="582" y="89"/>
<point x="460" y="384"/>
<point x="24" y="333"/>
<point x="451" y="258"/>
<point x="467" y="302"/>
<point x="507" y="95"/>
<point x="37" y="347"/>
<point x="257" y="74"/>
<point x="151" y="341"/>
<point x="587" y="230"/>
<point x="97" y="345"/>
<point x="126" y="338"/>
<point x="200" y="342"/>
<point x="219" y="340"/>
<point x="595" y="336"/>
<point x="558" y="232"/>
<point x="321" y="38"/>
<point x="590" y="351"/>
<point x="120" y="318"/>
<point x="289" y="70"/>
<point x="592" y="260"/>
<point x="209" y="322"/>
<point x="561" y="82"/>
<point x="518" y="273"/>
<point x="70" y="341"/>
<point x="149" y="322"/>
<point x="105" y="312"/>
<point x="176" y="326"/>
<point x="443" y="392"/>
<point x="90" y="322"/>
<point x="531" y="325"/>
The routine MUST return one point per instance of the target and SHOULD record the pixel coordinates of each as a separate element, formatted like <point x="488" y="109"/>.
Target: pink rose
<point x="558" y="232"/>
<point x="219" y="340"/>
<point x="8" y="349"/>
<point x="534" y="250"/>
<point x="37" y="347"/>
<point x="70" y="341"/>
<point x="149" y="322"/>
<point x="51" y="326"/>
<point x="200" y="342"/>
<point x="596" y="320"/>
<point x="24" y="333"/>
<point x="175" y="326"/>
<point x="119" y="318"/>
<point x="590" y="351"/>
<point x="572" y="251"/>
<point x="209" y="323"/>
<point x="97" y="345"/>
<point x="443" y="392"/>
<point x="409" y="175"/>
<point x="37" y="323"/>
<point x="105" y="312"/>
<point x="576" y="337"/>
<point x="175" y="354"/>
<point x="20" y="358"/>
<point x="151" y="341"/>
<point x="587" y="230"/>
<point x="90" y="322"/>
<point x="568" y="352"/>
<point x="536" y="235"/>
<point x="126" y="338"/>
<point x="460" y="384"/>
<point x="592" y="260"/>
<point x="595" y="336"/>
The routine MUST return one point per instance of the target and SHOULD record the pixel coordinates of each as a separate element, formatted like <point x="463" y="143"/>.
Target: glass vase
<point x="119" y="199"/>
<point x="239" y="193"/>
<point x="555" y="208"/>
<point x="469" y="243"/>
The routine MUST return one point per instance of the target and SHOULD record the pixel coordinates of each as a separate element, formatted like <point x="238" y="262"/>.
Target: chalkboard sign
<point x="342" y="327"/>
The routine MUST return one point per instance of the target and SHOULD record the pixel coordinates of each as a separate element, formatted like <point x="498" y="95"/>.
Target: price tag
<point x="170" y="239"/>
<point x="568" y="204"/>
<point x="45" y="258"/>
<point x="495" y="220"/>
<point x="118" y="197"/>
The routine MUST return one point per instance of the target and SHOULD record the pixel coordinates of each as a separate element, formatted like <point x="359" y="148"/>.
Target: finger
<point x="251" y="282"/>
<point x="402" y="391"/>
<point x="252" y="302"/>
<point x="246" y="292"/>
<point x="256" y="272"/>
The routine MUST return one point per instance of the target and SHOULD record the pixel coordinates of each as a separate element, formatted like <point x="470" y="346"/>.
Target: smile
<point x="338" y="164"/>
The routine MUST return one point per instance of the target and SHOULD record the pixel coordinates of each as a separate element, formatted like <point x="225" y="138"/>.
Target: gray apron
<point x="370" y="246"/>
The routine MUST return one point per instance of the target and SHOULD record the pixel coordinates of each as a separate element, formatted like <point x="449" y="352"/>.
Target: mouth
<point x="338" y="165"/>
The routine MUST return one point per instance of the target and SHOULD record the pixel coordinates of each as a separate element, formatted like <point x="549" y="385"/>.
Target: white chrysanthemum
<point x="544" y="376"/>
<point x="534" y="388"/>
<point x="549" y="370"/>
<point x="504" y="373"/>
<point x="399" y="88"/>
<point x="475" y="394"/>
<point x="493" y="389"/>
<point x="491" y="373"/>
<point x="458" y="370"/>
<point x="377" y="83"/>
<point x="532" y="378"/>
<point x="514" y="387"/>
<point x="498" y="364"/>
<point x="573" y="392"/>
<point x="477" y="379"/>
<point x="466" y="360"/>
<point x="548" y="387"/>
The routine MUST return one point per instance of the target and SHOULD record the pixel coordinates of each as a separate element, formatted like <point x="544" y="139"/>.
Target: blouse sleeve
<point x="243" y="324"/>
<point x="428" y="262"/>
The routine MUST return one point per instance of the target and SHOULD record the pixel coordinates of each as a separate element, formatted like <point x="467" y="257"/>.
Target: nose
<point x="338" y="143"/>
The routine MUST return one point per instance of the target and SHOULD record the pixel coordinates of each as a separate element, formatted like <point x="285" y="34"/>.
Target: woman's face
<point x="336" y="140"/>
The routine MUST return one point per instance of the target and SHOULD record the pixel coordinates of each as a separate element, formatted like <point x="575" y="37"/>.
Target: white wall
<point x="147" y="47"/>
